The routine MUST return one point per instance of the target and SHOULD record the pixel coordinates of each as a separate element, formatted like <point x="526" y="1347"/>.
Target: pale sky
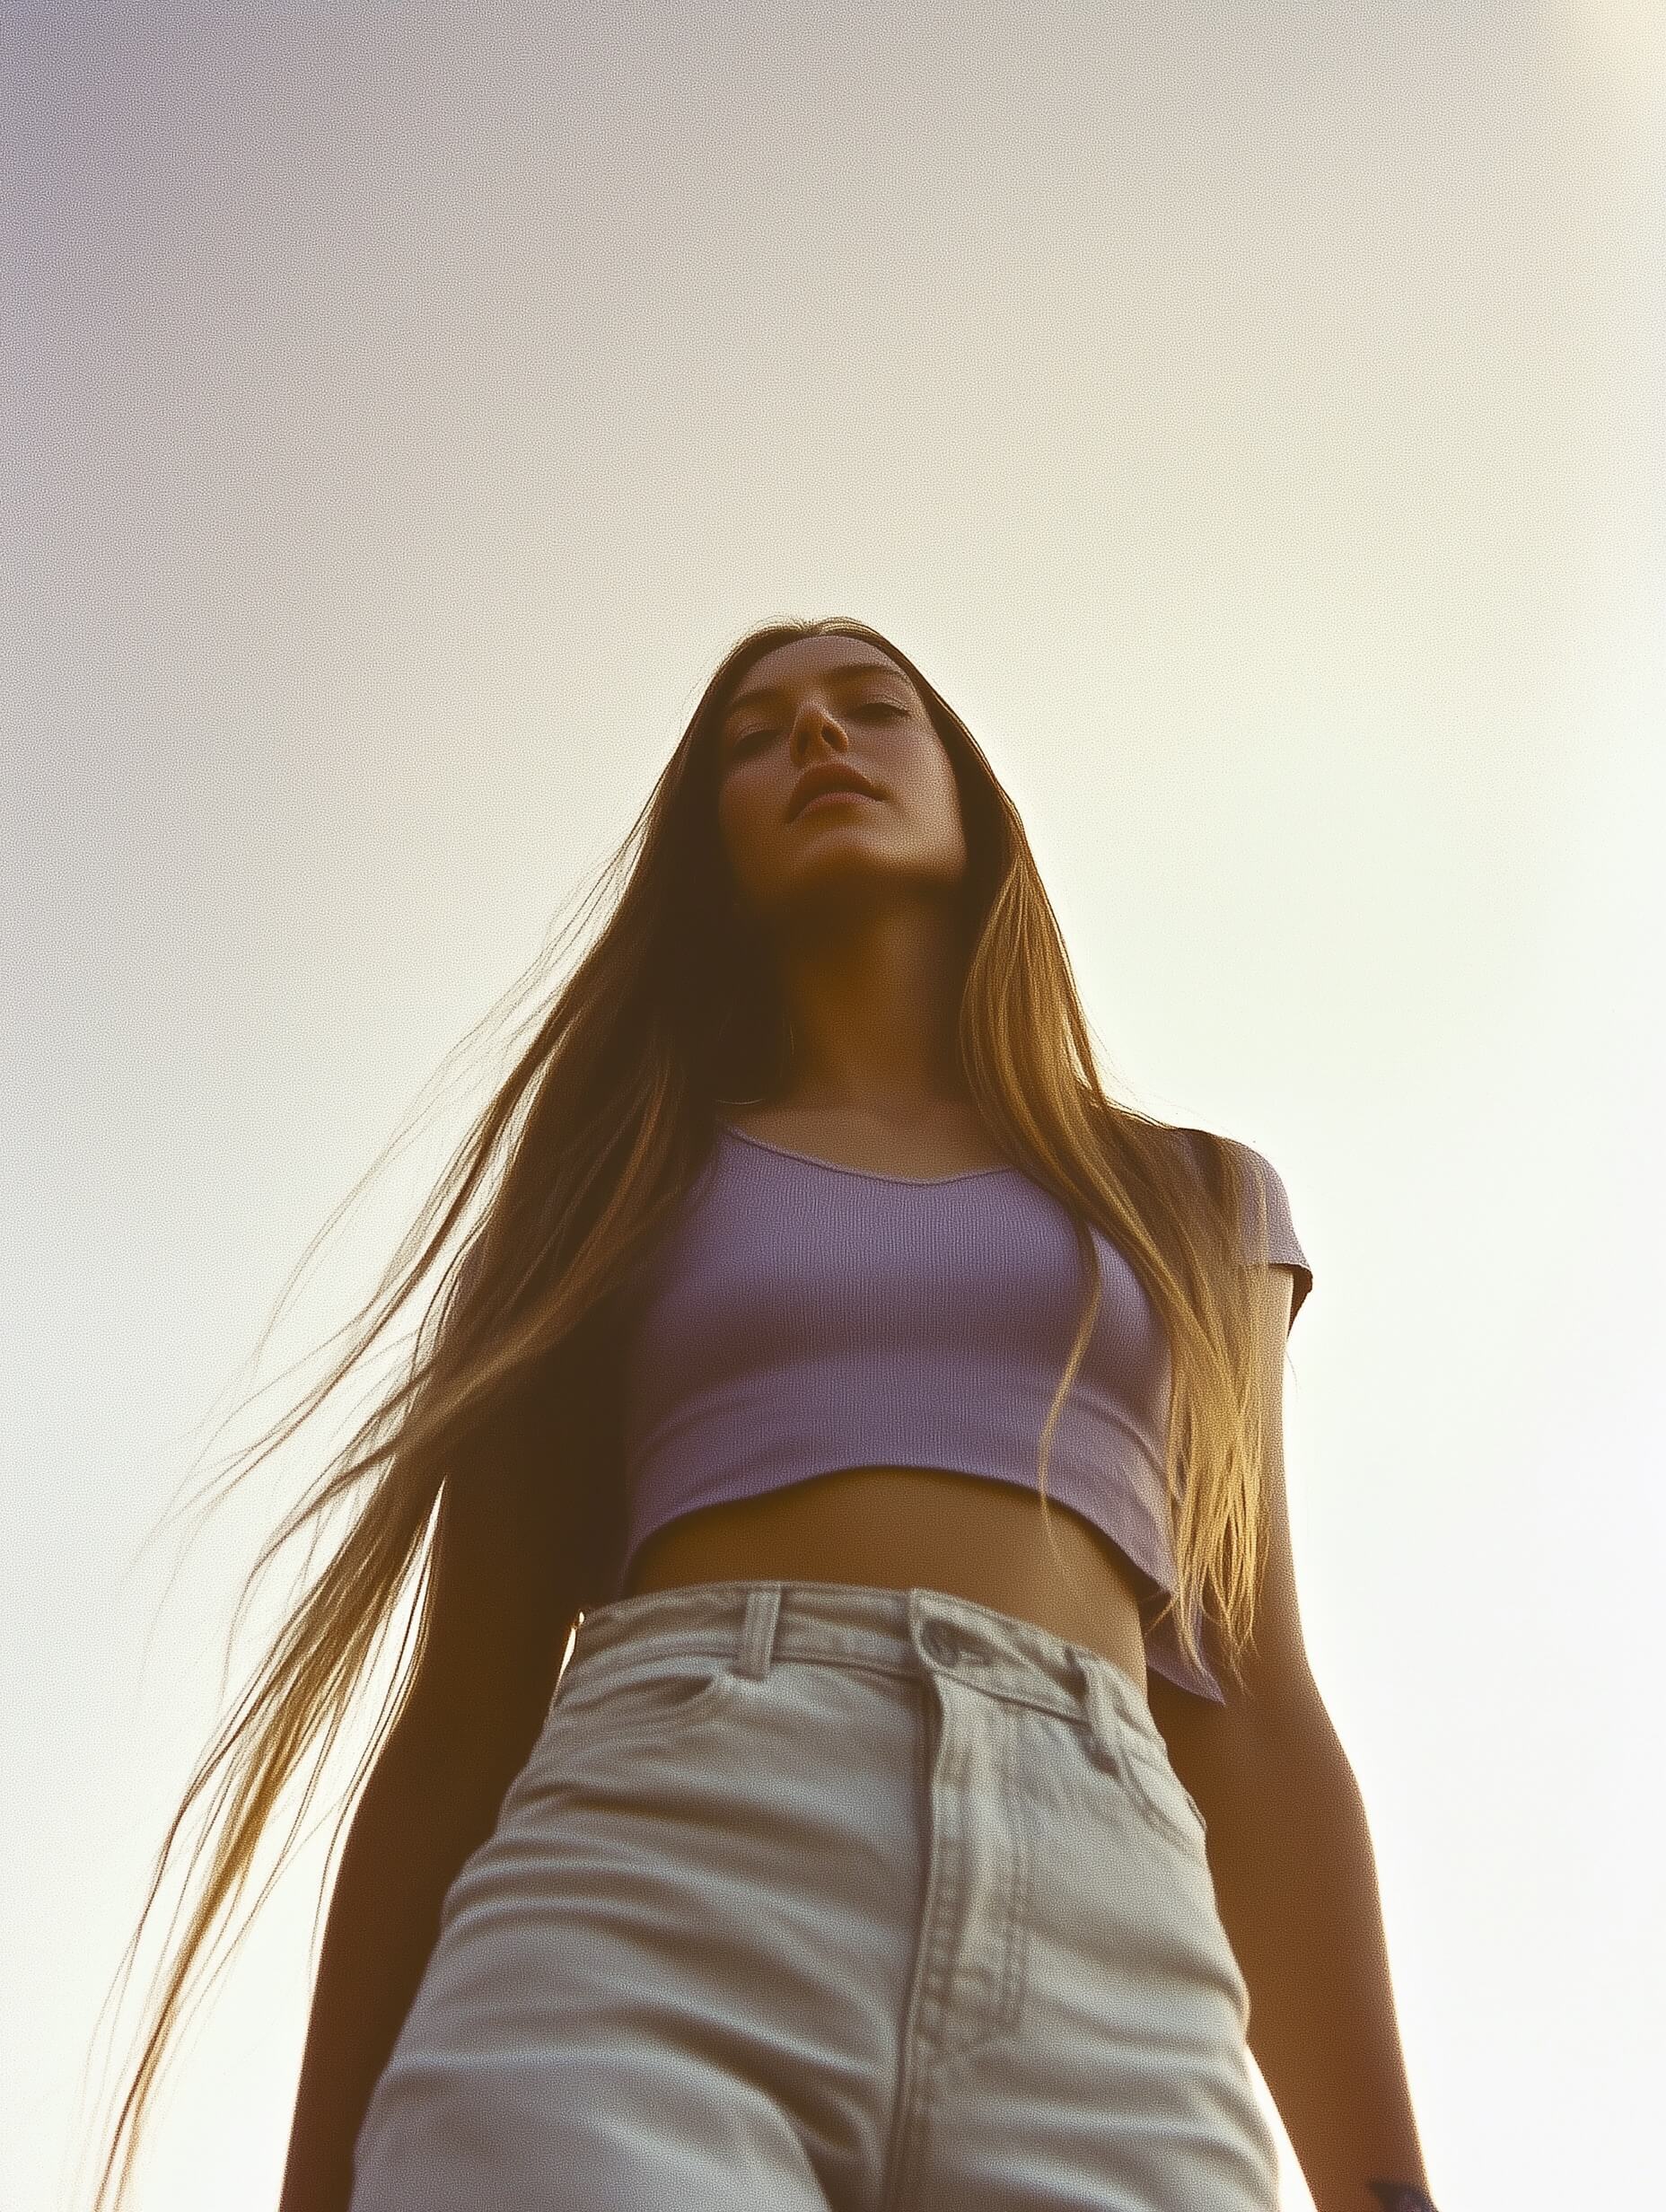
<point x="1252" y="419"/>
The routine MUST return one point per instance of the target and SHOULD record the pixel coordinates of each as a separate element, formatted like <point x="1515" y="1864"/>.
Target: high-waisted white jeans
<point x="813" y="1895"/>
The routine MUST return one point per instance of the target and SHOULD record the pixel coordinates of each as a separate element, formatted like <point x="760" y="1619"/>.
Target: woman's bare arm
<point x="502" y="1605"/>
<point x="422" y="1813"/>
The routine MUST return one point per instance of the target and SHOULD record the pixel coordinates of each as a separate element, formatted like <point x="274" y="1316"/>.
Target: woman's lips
<point x="831" y="798"/>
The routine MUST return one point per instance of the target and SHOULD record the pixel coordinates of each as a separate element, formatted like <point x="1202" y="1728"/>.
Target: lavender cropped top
<point x="800" y="1317"/>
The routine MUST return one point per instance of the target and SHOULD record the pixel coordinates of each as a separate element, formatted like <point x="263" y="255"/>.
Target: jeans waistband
<point x="896" y="1631"/>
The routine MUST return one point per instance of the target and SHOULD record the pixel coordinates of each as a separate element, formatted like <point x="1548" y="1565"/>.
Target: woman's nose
<point x="812" y="727"/>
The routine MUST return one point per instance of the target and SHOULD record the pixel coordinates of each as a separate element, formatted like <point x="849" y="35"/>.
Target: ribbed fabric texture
<point x="801" y="1317"/>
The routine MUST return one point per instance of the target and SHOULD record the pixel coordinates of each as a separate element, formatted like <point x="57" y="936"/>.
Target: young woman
<point x="787" y="1808"/>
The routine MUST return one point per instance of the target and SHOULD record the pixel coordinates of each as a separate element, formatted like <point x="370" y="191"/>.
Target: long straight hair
<point x="577" y="1163"/>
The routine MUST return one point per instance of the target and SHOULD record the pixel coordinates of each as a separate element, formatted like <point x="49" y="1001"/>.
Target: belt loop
<point x="1103" y="1720"/>
<point x="757" y="1631"/>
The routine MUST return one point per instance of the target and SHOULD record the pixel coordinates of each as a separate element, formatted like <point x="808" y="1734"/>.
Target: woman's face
<point x="807" y="707"/>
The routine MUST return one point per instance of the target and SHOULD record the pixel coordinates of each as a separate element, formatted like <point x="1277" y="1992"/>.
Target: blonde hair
<point x="577" y="1163"/>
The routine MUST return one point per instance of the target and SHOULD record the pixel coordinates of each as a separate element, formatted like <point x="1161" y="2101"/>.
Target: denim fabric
<point x="812" y="1895"/>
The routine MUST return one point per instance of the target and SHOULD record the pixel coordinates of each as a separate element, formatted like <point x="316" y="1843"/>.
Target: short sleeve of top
<point x="1283" y="1248"/>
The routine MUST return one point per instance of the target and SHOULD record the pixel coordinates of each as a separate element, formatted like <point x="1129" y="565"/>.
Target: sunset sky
<point x="1253" y="421"/>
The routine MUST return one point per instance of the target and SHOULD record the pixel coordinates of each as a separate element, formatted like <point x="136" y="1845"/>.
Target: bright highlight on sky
<point x="1251" y="420"/>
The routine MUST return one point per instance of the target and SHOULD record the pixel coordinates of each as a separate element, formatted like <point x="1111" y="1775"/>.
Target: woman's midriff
<point x="901" y="1528"/>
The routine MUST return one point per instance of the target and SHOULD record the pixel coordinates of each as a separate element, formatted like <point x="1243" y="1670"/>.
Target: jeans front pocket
<point x="1164" y="1800"/>
<point x="624" y="1695"/>
<point x="620" y="1702"/>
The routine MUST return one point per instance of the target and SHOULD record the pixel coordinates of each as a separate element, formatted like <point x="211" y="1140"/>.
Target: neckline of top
<point x="867" y="1175"/>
